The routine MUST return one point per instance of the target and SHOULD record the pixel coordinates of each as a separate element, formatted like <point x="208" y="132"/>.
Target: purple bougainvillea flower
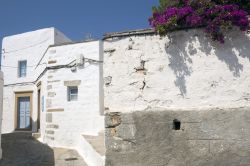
<point x="213" y="17"/>
<point x="182" y="12"/>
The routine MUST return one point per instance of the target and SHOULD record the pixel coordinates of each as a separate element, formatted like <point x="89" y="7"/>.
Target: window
<point x="22" y="67"/>
<point x="72" y="93"/>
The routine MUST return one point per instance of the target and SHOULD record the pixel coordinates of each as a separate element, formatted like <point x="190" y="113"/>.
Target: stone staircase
<point x="97" y="142"/>
<point x="36" y="135"/>
<point x="16" y="135"/>
<point x="92" y="148"/>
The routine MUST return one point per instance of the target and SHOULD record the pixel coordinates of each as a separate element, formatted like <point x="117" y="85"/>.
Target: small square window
<point x="22" y="68"/>
<point x="72" y="93"/>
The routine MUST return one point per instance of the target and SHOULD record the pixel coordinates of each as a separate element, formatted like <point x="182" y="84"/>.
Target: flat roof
<point x="74" y="42"/>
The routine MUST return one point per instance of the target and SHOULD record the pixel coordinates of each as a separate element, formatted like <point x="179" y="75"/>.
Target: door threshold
<point x="23" y="131"/>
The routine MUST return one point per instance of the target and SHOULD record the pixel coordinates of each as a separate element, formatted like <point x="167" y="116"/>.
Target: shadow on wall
<point x="183" y="46"/>
<point x="21" y="149"/>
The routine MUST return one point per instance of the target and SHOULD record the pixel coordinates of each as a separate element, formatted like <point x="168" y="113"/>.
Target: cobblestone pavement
<point x="21" y="149"/>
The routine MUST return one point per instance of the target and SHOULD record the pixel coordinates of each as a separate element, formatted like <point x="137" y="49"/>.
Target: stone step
<point x="17" y="135"/>
<point x="36" y="135"/>
<point x="97" y="142"/>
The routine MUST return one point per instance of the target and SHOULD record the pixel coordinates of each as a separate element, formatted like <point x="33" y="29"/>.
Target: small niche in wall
<point x="176" y="124"/>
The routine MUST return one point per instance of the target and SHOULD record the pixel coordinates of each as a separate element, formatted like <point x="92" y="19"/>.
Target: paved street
<point x="20" y="149"/>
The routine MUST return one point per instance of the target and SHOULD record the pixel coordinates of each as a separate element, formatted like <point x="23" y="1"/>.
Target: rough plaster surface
<point x="1" y="108"/>
<point x="78" y="117"/>
<point x="81" y="116"/>
<point x="29" y="46"/>
<point x="149" y="81"/>
<point x="183" y="70"/>
<point x="206" y="138"/>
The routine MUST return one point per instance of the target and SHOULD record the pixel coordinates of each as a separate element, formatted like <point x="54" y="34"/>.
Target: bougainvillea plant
<point x="216" y="16"/>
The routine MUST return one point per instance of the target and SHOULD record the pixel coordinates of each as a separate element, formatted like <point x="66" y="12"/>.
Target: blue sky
<point x="75" y="18"/>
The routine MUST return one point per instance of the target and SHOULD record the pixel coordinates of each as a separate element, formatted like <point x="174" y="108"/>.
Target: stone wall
<point x="209" y="138"/>
<point x="201" y="86"/>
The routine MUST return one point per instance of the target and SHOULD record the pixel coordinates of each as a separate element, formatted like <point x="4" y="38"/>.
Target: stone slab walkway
<point x="21" y="149"/>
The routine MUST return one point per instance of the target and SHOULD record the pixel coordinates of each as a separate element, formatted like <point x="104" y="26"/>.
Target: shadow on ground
<point x="21" y="149"/>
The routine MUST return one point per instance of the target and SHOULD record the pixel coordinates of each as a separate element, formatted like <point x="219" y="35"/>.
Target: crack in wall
<point x="143" y="85"/>
<point x="141" y="67"/>
<point x="108" y="80"/>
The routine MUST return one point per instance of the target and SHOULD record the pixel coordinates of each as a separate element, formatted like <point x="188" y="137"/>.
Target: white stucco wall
<point x="81" y="116"/>
<point x="1" y="108"/>
<point x="9" y="107"/>
<point x="30" y="46"/>
<point x="60" y="38"/>
<point x="184" y="70"/>
<point x="44" y="49"/>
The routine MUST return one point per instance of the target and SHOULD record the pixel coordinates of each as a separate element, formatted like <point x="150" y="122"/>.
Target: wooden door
<point x="23" y="113"/>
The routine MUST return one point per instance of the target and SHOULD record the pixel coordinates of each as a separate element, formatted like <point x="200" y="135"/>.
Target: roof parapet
<point x="129" y="33"/>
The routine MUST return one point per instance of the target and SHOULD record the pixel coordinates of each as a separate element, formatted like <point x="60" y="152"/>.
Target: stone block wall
<point x="209" y="138"/>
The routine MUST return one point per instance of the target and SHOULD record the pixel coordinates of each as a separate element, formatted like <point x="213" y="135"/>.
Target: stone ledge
<point x="51" y="94"/>
<point x="52" y="126"/>
<point x="53" y="81"/>
<point x="52" y="61"/>
<point x="49" y="132"/>
<point x="55" y="110"/>
<point x="72" y="83"/>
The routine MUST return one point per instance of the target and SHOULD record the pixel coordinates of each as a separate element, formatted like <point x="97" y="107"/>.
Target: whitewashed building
<point x="53" y="87"/>
<point x="1" y="107"/>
